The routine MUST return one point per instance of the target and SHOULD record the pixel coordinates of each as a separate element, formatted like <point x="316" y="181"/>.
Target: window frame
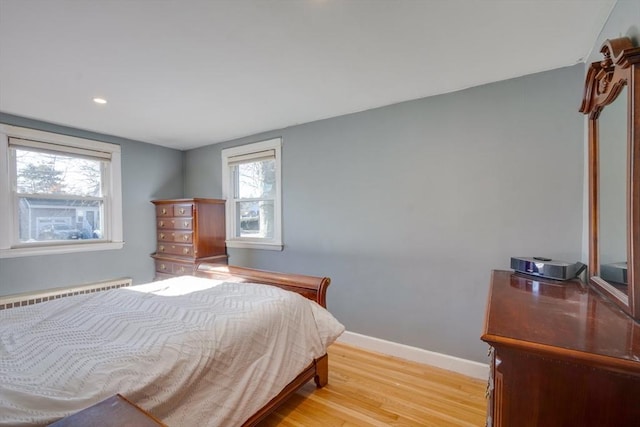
<point x="232" y="240"/>
<point x="10" y="247"/>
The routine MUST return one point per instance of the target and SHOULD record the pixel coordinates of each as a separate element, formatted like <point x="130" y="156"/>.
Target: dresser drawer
<point x="175" y="236"/>
<point x="175" y="223"/>
<point x="183" y="210"/>
<point x="164" y="267"/>
<point x="183" y="269"/>
<point x="174" y="268"/>
<point x="175" y="249"/>
<point x="164" y="211"/>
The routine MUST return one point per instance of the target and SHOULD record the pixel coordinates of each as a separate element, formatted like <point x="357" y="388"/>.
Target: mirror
<point x="612" y="181"/>
<point x="611" y="95"/>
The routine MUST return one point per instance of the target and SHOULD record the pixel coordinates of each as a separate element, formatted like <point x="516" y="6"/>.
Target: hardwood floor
<point x="370" y="389"/>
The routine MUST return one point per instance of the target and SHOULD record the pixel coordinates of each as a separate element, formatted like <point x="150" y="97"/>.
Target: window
<point x="61" y="194"/>
<point x="251" y="186"/>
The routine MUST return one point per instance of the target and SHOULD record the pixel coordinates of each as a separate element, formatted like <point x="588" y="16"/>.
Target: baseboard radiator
<point x="30" y="298"/>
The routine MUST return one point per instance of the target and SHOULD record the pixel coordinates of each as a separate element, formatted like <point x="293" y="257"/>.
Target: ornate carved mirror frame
<point x="605" y="81"/>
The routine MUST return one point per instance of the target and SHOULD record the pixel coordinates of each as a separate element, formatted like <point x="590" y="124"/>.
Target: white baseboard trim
<point x="451" y="363"/>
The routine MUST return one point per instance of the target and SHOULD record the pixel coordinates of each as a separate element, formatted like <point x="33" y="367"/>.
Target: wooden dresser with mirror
<point x="568" y="353"/>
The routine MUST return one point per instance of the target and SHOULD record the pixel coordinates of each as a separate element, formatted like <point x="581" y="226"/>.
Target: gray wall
<point x="624" y="21"/>
<point x="409" y="207"/>
<point x="148" y="172"/>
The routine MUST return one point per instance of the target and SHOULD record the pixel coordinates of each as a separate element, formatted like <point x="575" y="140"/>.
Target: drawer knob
<point x="163" y="267"/>
<point x="185" y="237"/>
<point x="186" y="251"/>
<point x="162" y="235"/>
<point x="186" y="223"/>
<point x="161" y="223"/>
<point x="161" y="248"/>
<point x="164" y="211"/>
<point x="182" y="211"/>
<point x="181" y="269"/>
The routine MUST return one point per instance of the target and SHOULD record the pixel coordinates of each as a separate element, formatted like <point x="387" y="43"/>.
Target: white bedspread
<point x="192" y="351"/>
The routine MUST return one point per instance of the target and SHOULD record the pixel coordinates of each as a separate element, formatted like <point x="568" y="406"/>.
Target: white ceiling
<point x="188" y="73"/>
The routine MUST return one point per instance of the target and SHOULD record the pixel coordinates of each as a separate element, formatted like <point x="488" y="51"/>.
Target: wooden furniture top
<point x="192" y="200"/>
<point x="565" y="320"/>
<point x="116" y="411"/>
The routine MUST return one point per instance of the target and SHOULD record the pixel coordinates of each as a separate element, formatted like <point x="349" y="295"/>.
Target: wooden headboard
<point x="311" y="287"/>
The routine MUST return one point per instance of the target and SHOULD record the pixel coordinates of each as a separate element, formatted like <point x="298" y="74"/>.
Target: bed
<point x="221" y="348"/>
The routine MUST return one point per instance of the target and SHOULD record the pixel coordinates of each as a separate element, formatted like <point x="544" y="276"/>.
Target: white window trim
<point x="7" y="208"/>
<point x="245" y="242"/>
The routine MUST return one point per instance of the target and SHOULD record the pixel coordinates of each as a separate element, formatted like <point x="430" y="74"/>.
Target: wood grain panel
<point x="371" y="389"/>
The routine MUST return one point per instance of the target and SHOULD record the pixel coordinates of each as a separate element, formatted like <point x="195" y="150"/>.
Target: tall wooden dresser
<point x="562" y="355"/>
<point x="189" y="231"/>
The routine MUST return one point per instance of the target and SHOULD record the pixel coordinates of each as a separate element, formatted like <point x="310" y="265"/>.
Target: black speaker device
<point x="547" y="268"/>
<point x="614" y="272"/>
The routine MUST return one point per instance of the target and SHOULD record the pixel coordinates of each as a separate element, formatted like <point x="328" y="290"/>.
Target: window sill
<point x="62" y="249"/>
<point x="254" y="245"/>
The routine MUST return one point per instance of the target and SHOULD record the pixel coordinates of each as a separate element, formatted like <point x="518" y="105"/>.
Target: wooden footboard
<point x="311" y="287"/>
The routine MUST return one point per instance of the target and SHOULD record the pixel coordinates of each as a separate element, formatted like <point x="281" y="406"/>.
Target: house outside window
<point x="62" y="194"/>
<point x="251" y="186"/>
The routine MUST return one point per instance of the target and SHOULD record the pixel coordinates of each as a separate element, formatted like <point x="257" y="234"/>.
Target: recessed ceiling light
<point x="99" y="100"/>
